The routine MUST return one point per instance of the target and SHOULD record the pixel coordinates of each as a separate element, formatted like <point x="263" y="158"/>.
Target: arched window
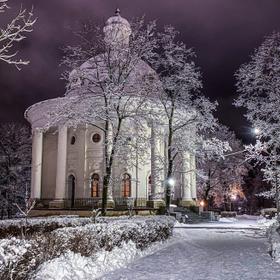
<point x="73" y="140"/>
<point x="126" y="185"/>
<point x="95" y="185"/>
<point x="150" y="187"/>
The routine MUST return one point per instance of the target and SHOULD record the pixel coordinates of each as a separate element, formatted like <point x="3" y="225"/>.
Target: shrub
<point x="85" y="240"/>
<point x="17" y="227"/>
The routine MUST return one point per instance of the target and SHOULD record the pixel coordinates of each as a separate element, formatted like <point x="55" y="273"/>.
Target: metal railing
<point x="77" y="203"/>
<point x="87" y="203"/>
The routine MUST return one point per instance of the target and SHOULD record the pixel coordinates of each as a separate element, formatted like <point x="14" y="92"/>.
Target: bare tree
<point x="258" y="85"/>
<point x="13" y="33"/>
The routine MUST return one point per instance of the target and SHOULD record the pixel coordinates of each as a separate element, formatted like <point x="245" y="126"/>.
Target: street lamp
<point x="170" y="182"/>
<point x="201" y="206"/>
<point x="233" y="198"/>
<point x="256" y="131"/>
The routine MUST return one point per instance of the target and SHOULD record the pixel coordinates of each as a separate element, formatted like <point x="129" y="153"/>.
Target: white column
<point x="156" y="170"/>
<point x="110" y="186"/>
<point x="186" y="178"/>
<point x="37" y="155"/>
<point x="61" y="163"/>
<point x="193" y="179"/>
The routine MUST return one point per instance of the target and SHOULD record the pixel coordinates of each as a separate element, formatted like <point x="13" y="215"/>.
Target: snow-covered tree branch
<point x="258" y="85"/>
<point x="108" y="87"/>
<point x="221" y="167"/>
<point x="186" y="112"/>
<point x="14" y="32"/>
<point x="15" y="166"/>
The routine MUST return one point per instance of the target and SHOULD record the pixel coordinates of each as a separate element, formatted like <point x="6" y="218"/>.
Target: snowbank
<point x="76" y="266"/>
<point x="227" y="220"/>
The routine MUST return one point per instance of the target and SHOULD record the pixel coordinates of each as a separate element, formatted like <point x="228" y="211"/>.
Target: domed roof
<point x="95" y="69"/>
<point x="117" y="31"/>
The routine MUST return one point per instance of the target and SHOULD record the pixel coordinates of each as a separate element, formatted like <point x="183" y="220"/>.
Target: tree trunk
<point x="170" y="160"/>
<point x="105" y="195"/>
<point x="109" y="160"/>
<point x="276" y="185"/>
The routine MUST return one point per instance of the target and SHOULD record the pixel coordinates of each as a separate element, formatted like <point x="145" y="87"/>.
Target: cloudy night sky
<point x="223" y="34"/>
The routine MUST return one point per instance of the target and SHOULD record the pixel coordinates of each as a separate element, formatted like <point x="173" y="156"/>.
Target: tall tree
<point x="110" y="86"/>
<point x="221" y="171"/>
<point x="13" y="33"/>
<point x="186" y="112"/>
<point x="15" y="166"/>
<point x="258" y="85"/>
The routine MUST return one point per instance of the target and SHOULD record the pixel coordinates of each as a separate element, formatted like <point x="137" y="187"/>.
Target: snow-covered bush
<point x="86" y="240"/>
<point x="13" y="253"/>
<point x="274" y="240"/>
<point x="36" y="225"/>
<point x="92" y="237"/>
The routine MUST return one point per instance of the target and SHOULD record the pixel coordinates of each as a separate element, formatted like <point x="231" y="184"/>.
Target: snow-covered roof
<point x="95" y="70"/>
<point x="36" y="113"/>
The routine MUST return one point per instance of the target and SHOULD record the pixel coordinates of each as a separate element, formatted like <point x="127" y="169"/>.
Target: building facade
<point x="68" y="164"/>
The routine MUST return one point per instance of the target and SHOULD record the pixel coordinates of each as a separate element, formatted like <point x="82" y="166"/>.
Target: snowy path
<point x="212" y="254"/>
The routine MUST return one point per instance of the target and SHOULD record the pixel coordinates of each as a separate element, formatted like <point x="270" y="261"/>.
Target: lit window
<point x="126" y="185"/>
<point x="95" y="185"/>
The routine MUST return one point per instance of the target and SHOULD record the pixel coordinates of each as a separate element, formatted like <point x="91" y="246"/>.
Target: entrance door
<point x="71" y="190"/>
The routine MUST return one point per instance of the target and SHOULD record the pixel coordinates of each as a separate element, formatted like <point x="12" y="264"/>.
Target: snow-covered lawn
<point x="208" y="253"/>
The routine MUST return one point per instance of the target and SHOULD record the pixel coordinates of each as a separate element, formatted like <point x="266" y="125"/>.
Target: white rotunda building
<point x="68" y="163"/>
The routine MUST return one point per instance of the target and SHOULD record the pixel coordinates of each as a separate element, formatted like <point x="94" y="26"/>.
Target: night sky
<point x="222" y="32"/>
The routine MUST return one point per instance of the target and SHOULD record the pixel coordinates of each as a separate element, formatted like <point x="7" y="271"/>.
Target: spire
<point x="117" y="30"/>
<point x="117" y="12"/>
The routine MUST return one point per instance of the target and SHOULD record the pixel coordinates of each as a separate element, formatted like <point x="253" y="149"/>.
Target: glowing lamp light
<point x="234" y="197"/>
<point x="257" y="131"/>
<point x="171" y="182"/>
<point x="202" y="203"/>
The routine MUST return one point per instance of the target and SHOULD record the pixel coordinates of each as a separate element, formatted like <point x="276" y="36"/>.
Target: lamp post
<point x="233" y="198"/>
<point x="256" y="131"/>
<point x="201" y="206"/>
<point x="170" y="182"/>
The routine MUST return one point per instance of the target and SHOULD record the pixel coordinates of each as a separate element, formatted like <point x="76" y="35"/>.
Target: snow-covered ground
<point x="208" y="253"/>
<point x="241" y="222"/>
<point x="228" y="249"/>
